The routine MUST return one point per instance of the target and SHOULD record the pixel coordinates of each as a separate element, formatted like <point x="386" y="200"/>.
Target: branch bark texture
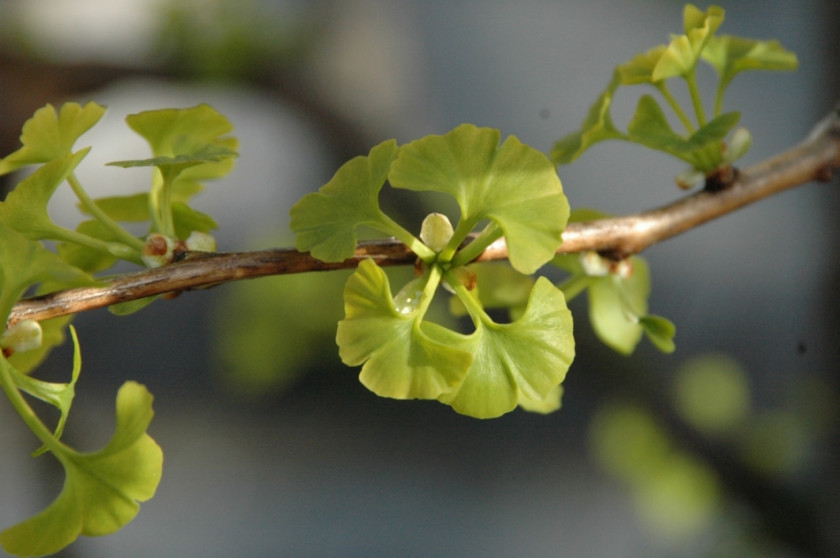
<point x="816" y="158"/>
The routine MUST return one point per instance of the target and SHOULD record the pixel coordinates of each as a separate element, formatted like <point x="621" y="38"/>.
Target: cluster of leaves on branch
<point x="703" y="143"/>
<point x="503" y="190"/>
<point x="101" y="489"/>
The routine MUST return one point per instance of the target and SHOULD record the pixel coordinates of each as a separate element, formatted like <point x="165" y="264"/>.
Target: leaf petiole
<point x="92" y="208"/>
<point x="675" y="106"/>
<point x="694" y="91"/>
<point x="471" y="251"/>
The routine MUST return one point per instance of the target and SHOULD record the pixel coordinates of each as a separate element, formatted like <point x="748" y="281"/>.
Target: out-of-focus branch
<point x="816" y="158"/>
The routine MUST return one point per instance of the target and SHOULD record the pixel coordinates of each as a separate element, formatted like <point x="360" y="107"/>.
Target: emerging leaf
<point x="101" y="489"/>
<point x="640" y="68"/>
<point x="47" y="135"/>
<point x="683" y="52"/>
<point x="511" y="184"/>
<point x="598" y="126"/>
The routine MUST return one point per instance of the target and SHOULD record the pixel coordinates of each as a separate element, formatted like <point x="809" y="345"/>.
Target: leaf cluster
<point x="102" y="489"/>
<point x="703" y="142"/>
<point x="502" y="189"/>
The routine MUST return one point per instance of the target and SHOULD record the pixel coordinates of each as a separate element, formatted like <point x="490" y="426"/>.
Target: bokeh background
<point x="728" y="447"/>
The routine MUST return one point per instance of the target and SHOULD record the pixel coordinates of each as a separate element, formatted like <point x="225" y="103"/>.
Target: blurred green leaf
<point x="49" y="135"/>
<point x="731" y="55"/>
<point x="101" y="489"/>
<point x="682" y="53"/>
<point x="598" y="126"/>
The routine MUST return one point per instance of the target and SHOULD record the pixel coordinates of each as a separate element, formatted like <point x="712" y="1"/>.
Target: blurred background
<point x="728" y="447"/>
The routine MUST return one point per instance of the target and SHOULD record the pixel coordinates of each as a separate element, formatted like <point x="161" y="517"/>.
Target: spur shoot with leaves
<point x="703" y="143"/>
<point x="506" y="189"/>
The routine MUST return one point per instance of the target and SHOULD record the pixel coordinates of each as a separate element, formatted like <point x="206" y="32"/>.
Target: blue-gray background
<point x="327" y="469"/>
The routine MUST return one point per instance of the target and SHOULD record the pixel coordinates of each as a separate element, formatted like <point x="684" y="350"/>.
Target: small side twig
<point x="817" y="158"/>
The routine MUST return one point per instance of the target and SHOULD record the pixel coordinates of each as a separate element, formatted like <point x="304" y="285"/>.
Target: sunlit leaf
<point x="511" y="184"/>
<point x="101" y="489"/>
<point x="598" y="126"/>
<point x="525" y="359"/>
<point x="25" y="208"/>
<point x="549" y="404"/>
<point x="403" y="357"/>
<point x="731" y="55"/>
<point x="326" y="221"/>
<point x="49" y="135"/>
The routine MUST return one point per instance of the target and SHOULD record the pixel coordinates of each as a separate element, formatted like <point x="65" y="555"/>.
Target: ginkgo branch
<point x="816" y="158"/>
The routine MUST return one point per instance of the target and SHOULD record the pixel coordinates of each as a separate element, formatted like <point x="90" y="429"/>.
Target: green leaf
<point x="188" y="220"/>
<point x="512" y="184"/>
<point x="682" y="53"/>
<point x="25" y="208"/>
<point x="174" y="165"/>
<point x="47" y="135"/>
<point x="660" y="331"/>
<point x="731" y="55"/>
<point x="519" y="361"/>
<point x="640" y="68"/>
<point x="325" y="221"/>
<point x="24" y="262"/>
<point x="598" y="126"/>
<point x="616" y="304"/>
<point x="551" y="403"/>
<point x="403" y="357"/>
<point x="650" y="127"/>
<point x="101" y="489"/>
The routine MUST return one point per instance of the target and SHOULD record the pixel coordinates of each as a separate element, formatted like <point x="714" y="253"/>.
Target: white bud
<point x="690" y="178"/>
<point x="739" y="144"/>
<point x="23" y="336"/>
<point x="201" y="242"/>
<point x="158" y="250"/>
<point x="593" y="264"/>
<point x="436" y="231"/>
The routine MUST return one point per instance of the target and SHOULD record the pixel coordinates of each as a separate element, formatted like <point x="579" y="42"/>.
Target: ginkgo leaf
<point x="598" y="126"/>
<point x="682" y="53"/>
<point x="25" y="208"/>
<point x="731" y="55"/>
<point x="403" y="357"/>
<point x="49" y="135"/>
<point x="650" y="127"/>
<point x="639" y="69"/>
<point x="101" y="489"/>
<point x="522" y="360"/>
<point x="325" y="221"/>
<point x="511" y="184"/>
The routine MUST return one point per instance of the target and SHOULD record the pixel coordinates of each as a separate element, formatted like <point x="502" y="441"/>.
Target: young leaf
<point x="731" y="55"/>
<point x="326" y="221"/>
<point x="101" y="489"/>
<point x="615" y="305"/>
<point x="52" y="336"/>
<point x="639" y="69"/>
<point x="522" y="360"/>
<point x="598" y="126"/>
<point x="498" y="286"/>
<point x="47" y="135"/>
<point x="403" y="357"/>
<point x="681" y="55"/>
<point x="511" y="184"/>
<point x="25" y="208"/>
